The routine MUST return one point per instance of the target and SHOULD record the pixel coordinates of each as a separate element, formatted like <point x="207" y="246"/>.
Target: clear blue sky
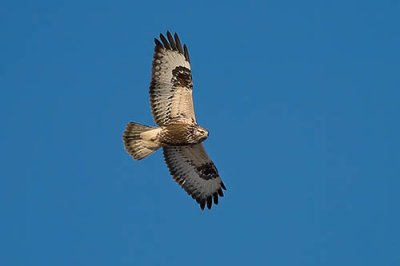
<point x="302" y="99"/>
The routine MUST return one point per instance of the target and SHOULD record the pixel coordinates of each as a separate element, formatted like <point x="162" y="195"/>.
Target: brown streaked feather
<point x="176" y="134"/>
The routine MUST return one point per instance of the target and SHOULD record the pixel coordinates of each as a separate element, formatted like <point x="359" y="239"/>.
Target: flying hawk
<point x="178" y="133"/>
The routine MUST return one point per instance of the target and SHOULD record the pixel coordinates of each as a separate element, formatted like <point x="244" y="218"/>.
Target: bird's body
<point x="178" y="132"/>
<point x="181" y="134"/>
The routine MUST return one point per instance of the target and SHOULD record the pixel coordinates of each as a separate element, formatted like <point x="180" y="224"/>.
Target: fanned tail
<point x="140" y="140"/>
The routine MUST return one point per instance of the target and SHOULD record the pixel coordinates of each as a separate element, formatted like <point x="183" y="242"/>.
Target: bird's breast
<point x="177" y="135"/>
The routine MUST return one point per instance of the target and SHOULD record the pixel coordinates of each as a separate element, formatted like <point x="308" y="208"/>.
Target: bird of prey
<point x="177" y="133"/>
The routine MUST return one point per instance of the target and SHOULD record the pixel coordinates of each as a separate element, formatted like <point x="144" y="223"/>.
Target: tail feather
<point x="140" y="140"/>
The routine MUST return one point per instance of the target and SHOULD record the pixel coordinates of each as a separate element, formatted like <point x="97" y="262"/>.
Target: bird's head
<point x="201" y="133"/>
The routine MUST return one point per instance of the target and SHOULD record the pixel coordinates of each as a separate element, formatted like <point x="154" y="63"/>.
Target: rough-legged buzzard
<point x="178" y="132"/>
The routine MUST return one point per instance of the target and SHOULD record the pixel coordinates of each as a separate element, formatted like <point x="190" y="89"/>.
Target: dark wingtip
<point x="178" y="43"/>
<point x="157" y="42"/>
<point x="222" y="185"/>
<point x="186" y="52"/>
<point x="165" y="42"/>
<point x="202" y="204"/>
<point x="171" y="41"/>
<point x="215" y="198"/>
<point x="220" y="193"/>
<point x="209" y="202"/>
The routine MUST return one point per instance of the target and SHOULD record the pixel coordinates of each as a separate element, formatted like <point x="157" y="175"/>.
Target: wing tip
<point x="204" y="194"/>
<point x="202" y="204"/>
<point x="220" y="192"/>
<point x="173" y="43"/>
<point x="158" y="43"/>
<point x="209" y="200"/>
<point x="215" y="196"/>
<point x="223" y="185"/>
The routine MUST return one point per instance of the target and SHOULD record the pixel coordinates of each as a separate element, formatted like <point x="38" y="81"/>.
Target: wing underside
<point x="194" y="171"/>
<point x="171" y="85"/>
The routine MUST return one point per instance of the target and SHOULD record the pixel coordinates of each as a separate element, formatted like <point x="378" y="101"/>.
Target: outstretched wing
<point x="193" y="170"/>
<point x="171" y="83"/>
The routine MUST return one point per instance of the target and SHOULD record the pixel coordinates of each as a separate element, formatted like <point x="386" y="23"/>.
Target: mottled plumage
<point x="178" y="132"/>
